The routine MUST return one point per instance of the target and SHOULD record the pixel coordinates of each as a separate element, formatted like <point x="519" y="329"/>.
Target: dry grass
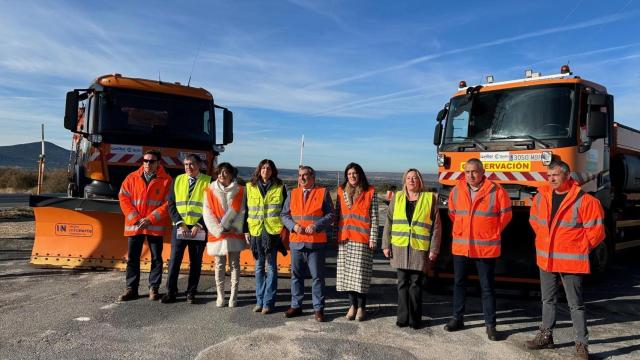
<point x="16" y="214"/>
<point x="13" y="180"/>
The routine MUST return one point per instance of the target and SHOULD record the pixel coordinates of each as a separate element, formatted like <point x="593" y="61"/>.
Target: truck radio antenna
<point x="194" y="63"/>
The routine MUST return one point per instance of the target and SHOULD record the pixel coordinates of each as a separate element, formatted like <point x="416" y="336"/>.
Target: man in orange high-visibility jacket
<point x="479" y="209"/>
<point x="568" y="223"/>
<point x="143" y="199"/>
<point x="308" y="214"/>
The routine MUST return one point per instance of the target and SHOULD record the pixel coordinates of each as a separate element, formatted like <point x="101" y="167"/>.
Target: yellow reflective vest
<point x="418" y="231"/>
<point x="264" y="210"/>
<point x="190" y="207"/>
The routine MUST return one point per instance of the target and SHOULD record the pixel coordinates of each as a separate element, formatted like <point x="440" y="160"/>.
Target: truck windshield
<point x="151" y="117"/>
<point x="529" y="113"/>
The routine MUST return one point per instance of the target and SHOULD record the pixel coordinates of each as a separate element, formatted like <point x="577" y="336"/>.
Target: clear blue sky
<point x="362" y="80"/>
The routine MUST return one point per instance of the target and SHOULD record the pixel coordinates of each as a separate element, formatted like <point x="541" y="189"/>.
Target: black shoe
<point x="416" y="325"/>
<point x="401" y="325"/>
<point x="492" y="334"/>
<point x="168" y="298"/>
<point x="191" y="298"/>
<point x="454" y="325"/>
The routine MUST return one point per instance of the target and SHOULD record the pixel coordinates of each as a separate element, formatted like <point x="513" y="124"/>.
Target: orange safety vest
<point x="140" y="200"/>
<point x="477" y="225"/>
<point x="218" y="211"/>
<point x="355" y="223"/>
<point x="305" y="214"/>
<point x="564" y="242"/>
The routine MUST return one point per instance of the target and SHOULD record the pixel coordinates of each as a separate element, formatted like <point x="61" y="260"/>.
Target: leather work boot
<point x="293" y="312"/>
<point x="454" y="325"/>
<point x="319" y="315"/>
<point x="351" y="314"/>
<point x="128" y="295"/>
<point x="582" y="352"/>
<point x="492" y="334"/>
<point x="543" y="340"/>
<point x="168" y="298"/>
<point x="154" y="294"/>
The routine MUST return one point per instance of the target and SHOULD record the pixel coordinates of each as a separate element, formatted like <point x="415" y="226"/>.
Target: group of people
<point x="225" y="218"/>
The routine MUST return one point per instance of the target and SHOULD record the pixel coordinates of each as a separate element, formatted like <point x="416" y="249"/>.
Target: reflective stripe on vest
<point x="190" y="207"/>
<point x="307" y="213"/>
<point x="264" y="210"/>
<point x="418" y="232"/>
<point x="354" y="223"/>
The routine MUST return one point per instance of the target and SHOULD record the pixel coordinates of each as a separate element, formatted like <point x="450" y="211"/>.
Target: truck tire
<point x="601" y="257"/>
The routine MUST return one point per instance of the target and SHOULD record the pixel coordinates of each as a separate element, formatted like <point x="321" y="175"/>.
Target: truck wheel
<point x="602" y="256"/>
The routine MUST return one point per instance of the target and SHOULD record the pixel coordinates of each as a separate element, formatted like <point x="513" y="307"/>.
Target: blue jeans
<point x="486" y="271"/>
<point x="266" y="283"/>
<point x="314" y="260"/>
<point x="133" y="261"/>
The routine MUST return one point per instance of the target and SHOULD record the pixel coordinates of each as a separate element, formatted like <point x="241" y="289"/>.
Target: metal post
<point x="41" y="164"/>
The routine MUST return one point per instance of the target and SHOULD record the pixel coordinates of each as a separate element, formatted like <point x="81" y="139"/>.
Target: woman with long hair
<point x="357" y="222"/>
<point x="224" y="217"/>
<point x="264" y="199"/>
<point x="411" y="239"/>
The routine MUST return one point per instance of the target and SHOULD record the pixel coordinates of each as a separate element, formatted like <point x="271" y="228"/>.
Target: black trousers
<point x="133" y="261"/>
<point x="196" y="249"/>
<point x="410" y="297"/>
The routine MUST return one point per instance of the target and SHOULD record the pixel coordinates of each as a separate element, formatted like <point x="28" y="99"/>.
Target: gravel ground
<point x="53" y="313"/>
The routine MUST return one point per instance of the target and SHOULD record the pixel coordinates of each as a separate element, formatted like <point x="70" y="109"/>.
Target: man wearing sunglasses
<point x="143" y="200"/>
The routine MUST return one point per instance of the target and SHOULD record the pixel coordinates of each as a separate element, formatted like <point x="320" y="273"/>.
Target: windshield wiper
<point x="475" y="142"/>
<point x="533" y="138"/>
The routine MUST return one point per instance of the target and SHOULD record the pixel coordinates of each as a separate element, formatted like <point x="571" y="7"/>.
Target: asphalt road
<point x="14" y="201"/>
<point x="52" y="313"/>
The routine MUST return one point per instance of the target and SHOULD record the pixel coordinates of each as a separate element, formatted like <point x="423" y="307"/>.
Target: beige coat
<point x="408" y="258"/>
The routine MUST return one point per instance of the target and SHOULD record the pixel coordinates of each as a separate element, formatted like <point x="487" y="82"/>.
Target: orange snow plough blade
<point x="88" y="234"/>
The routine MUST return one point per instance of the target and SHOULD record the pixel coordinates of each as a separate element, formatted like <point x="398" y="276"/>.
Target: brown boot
<point x="351" y="314"/>
<point x="543" y="340"/>
<point x="154" y="294"/>
<point x="582" y="352"/>
<point x="128" y="295"/>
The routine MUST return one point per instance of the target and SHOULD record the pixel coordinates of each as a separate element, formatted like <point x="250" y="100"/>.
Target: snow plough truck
<point x="516" y="128"/>
<point x="114" y="121"/>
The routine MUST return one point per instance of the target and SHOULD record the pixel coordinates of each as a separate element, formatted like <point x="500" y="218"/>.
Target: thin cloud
<point x="501" y="41"/>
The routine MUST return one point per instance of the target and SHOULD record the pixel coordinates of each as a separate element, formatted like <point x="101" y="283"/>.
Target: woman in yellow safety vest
<point x="357" y="222"/>
<point x="411" y="239"/>
<point x="264" y="199"/>
<point x="224" y="216"/>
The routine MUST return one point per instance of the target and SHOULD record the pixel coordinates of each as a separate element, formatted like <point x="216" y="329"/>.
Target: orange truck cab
<point x="123" y="117"/>
<point x="114" y="121"/>
<point x="516" y="128"/>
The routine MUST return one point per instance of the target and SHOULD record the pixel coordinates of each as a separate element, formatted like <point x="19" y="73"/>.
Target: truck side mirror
<point x="437" y="134"/>
<point x="597" y="125"/>
<point x="71" y="111"/>
<point x="597" y="121"/>
<point x="227" y="127"/>
<point x="597" y="99"/>
<point x="442" y="114"/>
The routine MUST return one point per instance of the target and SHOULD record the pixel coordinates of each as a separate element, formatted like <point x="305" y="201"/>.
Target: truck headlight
<point x="441" y="159"/>
<point x="546" y="158"/>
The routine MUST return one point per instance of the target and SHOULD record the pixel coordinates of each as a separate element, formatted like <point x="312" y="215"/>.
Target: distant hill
<point x="26" y="156"/>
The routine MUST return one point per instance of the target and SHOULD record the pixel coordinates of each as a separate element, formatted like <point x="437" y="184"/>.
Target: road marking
<point x="82" y="318"/>
<point x="109" y="306"/>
